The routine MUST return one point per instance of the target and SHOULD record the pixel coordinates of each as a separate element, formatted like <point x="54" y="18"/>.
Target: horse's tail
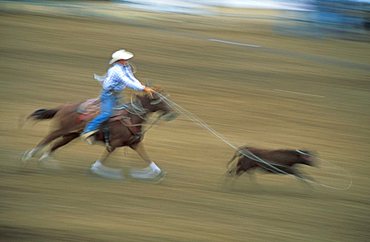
<point x="40" y="114"/>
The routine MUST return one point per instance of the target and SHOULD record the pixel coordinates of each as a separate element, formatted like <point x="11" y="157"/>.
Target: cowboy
<point x="118" y="77"/>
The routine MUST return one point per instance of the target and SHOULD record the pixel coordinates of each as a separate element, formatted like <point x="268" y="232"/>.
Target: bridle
<point x="136" y="108"/>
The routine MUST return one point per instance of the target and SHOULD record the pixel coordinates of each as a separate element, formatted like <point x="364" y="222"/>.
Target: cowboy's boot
<point x="88" y="137"/>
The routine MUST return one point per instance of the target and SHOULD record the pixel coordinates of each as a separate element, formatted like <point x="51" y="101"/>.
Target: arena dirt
<point x="291" y="92"/>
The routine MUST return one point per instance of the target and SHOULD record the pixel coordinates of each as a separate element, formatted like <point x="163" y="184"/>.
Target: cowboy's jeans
<point x="108" y="101"/>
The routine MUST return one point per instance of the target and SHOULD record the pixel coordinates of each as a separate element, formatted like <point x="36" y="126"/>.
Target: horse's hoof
<point x="44" y="157"/>
<point x="106" y="172"/>
<point x="27" y="155"/>
<point x="160" y="177"/>
<point x="148" y="175"/>
<point x="135" y="171"/>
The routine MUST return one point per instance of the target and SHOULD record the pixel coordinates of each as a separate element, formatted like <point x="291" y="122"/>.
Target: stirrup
<point x="106" y="138"/>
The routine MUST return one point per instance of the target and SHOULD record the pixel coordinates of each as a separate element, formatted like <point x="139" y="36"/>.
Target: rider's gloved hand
<point x="149" y="91"/>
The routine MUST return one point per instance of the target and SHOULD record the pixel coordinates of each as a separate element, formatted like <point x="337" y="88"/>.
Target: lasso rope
<point x="249" y="154"/>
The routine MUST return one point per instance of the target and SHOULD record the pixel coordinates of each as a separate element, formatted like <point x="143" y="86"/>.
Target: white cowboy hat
<point x="120" y="55"/>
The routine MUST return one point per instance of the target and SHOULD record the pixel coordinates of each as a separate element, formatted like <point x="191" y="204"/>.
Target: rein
<point x="248" y="154"/>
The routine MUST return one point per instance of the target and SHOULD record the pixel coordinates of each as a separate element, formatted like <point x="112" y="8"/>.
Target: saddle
<point x="91" y="108"/>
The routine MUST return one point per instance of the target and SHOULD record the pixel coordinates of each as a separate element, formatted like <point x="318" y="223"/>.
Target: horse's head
<point x="158" y="102"/>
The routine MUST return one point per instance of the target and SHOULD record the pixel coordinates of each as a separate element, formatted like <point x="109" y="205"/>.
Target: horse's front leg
<point x="98" y="168"/>
<point x="152" y="171"/>
<point x="52" y="136"/>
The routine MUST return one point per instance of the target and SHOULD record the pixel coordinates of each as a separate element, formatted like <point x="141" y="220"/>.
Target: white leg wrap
<point x="146" y="174"/>
<point x="107" y="172"/>
<point x="45" y="156"/>
<point x="29" y="154"/>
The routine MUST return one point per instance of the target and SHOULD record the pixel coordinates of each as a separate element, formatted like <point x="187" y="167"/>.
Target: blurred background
<point x="270" y="74"/>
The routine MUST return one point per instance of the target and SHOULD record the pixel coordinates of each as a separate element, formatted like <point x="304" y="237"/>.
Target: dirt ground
<point x="289" y="92"/>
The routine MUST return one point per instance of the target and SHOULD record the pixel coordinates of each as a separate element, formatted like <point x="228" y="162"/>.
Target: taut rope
<point x="249" y="154"/>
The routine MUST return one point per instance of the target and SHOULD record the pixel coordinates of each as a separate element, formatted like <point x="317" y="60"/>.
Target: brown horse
<point x="280" y="161"/>
<point x="116" y="132"/>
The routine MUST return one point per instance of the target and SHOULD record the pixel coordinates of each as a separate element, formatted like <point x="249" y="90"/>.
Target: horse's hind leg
<point x="65" y="140"/>
<point x="52" y="136"/>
